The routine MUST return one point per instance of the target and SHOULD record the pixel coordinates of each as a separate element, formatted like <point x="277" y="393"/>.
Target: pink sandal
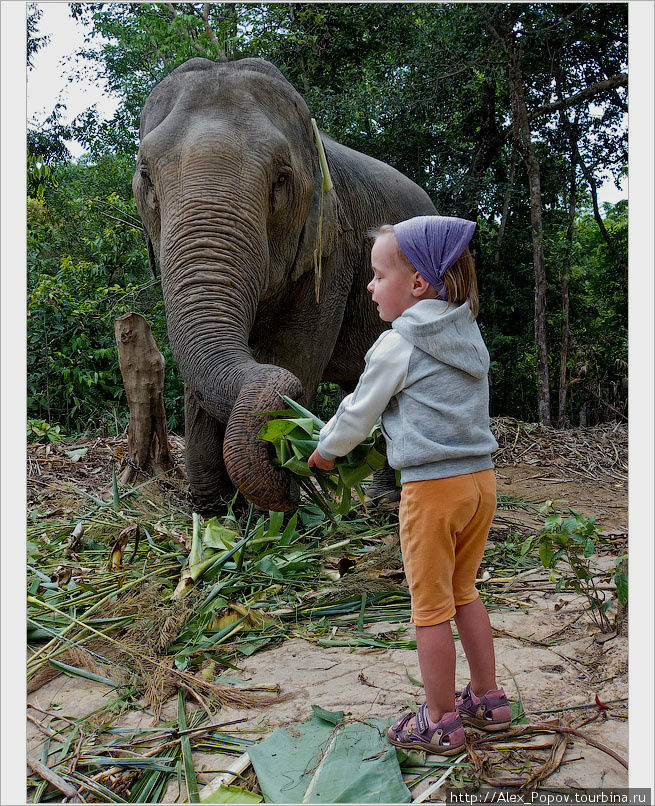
<point x="446" y="738"/>
<point x="489" y="712"/>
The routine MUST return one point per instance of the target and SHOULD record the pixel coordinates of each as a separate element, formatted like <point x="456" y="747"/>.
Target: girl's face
<point x="393" y="284"/>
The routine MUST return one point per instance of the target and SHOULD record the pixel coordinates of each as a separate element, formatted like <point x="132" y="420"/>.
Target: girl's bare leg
<point x="436" y="656"/>
<point x="474" y="631"/>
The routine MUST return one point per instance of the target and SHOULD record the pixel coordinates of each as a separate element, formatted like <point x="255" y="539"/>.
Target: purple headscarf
<point x="432" y="243"/>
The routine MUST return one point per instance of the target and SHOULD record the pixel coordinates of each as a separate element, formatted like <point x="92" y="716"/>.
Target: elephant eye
<point x="144" y="172"/>
<point x="282" y="188"/>
<point x="283" y="177"/>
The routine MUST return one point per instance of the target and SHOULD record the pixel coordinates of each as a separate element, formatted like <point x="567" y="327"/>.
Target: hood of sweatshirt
<point x="448" y="333"/>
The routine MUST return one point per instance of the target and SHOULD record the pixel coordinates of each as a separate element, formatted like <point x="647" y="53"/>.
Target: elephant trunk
<point x="212" y="284"/>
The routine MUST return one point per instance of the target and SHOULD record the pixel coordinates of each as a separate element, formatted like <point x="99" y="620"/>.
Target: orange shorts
<point x="444" y="525"/>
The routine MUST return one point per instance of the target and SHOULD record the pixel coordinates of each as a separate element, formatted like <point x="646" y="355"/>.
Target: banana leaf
<point x="323" y="760"/>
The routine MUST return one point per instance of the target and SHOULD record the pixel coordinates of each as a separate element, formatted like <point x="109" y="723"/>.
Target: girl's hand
<point x="316" y="460"/>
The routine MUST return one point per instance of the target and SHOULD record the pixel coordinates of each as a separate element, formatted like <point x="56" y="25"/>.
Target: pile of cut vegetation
<point x="598" y="452"/>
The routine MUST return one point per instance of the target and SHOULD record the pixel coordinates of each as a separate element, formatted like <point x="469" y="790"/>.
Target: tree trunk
<point x="142" y="368"/>
<point x="524" y="145"/>
<point x="503" y="219"/>
<point x="563" y="385"/>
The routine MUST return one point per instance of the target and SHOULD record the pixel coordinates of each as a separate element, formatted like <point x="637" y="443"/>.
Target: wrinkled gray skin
<point x="228" y="186"/>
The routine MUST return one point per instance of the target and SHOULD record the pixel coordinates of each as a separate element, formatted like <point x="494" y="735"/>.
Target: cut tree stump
<point x="142" y="368"/>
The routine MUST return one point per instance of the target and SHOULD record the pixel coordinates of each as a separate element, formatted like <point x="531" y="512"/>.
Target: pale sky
<point x="47" y="82"/>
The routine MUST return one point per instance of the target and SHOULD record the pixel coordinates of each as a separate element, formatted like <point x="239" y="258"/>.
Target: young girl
<point x="427" y="379"/>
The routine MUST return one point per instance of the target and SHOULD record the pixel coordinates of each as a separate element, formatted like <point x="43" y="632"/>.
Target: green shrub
<point x="566" y="547"/>
<point x="41" y="431"/>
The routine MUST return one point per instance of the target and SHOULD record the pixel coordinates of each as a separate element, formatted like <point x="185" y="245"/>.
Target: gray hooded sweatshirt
<point x="427" y="379"/>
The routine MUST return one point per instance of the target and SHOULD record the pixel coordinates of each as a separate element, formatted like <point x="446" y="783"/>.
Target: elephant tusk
<point x="325" y="171"/>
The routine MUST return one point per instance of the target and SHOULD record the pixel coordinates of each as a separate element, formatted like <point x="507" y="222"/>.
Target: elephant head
<point x="228" y="186"/>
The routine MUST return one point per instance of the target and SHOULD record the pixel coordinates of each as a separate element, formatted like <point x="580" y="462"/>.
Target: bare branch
<point x="556" y="23"/>
<point x="55" y="779"/>
<point x="122" y="221"/>
<point x="620" y="80"/>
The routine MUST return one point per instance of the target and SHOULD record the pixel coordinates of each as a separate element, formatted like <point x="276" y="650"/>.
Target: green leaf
<point x="189" y="771"/>
<point x="345" y="502"/>
<point x="375" y="459"/>
<point x="78" y="452"/>
<point x="525" y="545"/>
<point x="569" y="525"/>
<point x="552" y="521"/>
<point x="304" y="448"/>
<point x="353" y="475"/>
<point x="621" y="580"/>
<point x="273" y="430"/>
<point x="275" y="520"/>
<point x="302" y="410"/>
<point x="298" y="467"/>
<point x="217" y="536"/>
<point x="333" y="717"/>
<point x="306" y="423"/>
<point x="517" y="713"/>
<point x="73" y="670"/>
<point x="546" y="553"/>
<point x="267" y="565"/>
<point x="289" y="530"/>
<point x="232" y="794"/>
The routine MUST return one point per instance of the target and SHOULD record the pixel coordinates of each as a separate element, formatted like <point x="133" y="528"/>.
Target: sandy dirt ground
<point x="560" y="680"/>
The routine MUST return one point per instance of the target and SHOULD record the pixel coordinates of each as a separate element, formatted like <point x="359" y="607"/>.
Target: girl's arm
<point x="383" y="377"/>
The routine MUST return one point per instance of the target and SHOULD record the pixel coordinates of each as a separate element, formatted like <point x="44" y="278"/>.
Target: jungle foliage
<point x="424" y="87"/>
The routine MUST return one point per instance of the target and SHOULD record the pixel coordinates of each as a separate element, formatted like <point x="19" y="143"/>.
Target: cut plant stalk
<point x="201" y="562"/>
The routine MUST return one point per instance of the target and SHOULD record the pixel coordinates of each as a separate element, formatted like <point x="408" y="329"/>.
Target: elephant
<point x="229" y="187"/>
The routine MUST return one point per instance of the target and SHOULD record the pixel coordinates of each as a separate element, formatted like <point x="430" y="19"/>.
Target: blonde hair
<point x="460" y="280"/>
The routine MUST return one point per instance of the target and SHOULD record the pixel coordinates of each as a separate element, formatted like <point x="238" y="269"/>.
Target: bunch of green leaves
<point x="42" y="431"/>
<point x="294" y="433"/>
<point x="211" y="548"/>
<point x="567" y="545"/>
<point x="39" y="176"/>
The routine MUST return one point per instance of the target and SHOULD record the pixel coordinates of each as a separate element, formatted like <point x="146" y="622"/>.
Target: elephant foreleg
<point x="210" y="485"/>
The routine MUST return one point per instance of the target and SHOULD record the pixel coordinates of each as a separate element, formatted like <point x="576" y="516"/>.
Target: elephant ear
<point x="331" y="226"/>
